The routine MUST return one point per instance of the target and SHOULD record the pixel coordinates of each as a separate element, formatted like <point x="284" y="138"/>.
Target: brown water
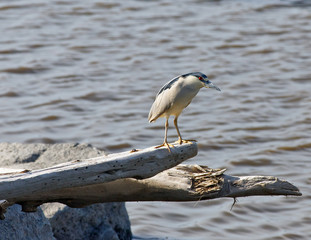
<point x="88" y="71"/>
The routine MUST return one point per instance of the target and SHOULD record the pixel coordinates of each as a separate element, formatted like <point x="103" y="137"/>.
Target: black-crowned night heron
<point x="176" y="95"/>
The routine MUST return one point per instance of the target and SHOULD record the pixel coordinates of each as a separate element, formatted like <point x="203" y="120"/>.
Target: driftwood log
<point x="152" y="174"/>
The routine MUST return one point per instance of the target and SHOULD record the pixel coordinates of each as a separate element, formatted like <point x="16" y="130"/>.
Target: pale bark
<point x="132" y="176"/>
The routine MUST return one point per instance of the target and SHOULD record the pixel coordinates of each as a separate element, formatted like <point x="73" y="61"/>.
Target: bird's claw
<point x="181" y="141"/>
<point x="167" y="145"/>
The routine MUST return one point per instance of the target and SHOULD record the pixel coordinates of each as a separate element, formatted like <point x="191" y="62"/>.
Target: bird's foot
<point x="167" y="145"/>
<point x="181" y="141"/>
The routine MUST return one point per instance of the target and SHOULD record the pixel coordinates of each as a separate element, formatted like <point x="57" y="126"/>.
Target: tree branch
<point x="132" y="176"/>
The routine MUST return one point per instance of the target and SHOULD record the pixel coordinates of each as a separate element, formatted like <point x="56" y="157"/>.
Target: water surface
<point x="77" y="71"/>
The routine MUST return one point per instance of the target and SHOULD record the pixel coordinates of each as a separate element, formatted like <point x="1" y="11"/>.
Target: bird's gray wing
<point x="168" y="85"/>
<point x="160" y="106"/>
<point x="162" y="102"/>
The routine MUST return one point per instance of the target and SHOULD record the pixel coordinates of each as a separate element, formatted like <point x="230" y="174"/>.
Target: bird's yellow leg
<point x="165" y="143"/>
<point x="180" y="140"/>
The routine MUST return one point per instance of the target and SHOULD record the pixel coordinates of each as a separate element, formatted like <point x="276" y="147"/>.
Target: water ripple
<point x="78" y="71"/>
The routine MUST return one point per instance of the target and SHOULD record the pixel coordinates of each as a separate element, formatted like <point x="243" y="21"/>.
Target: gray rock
<point x="20" y="225"/>
<point x="40" y="155"/>
<point x="98" y="221"/>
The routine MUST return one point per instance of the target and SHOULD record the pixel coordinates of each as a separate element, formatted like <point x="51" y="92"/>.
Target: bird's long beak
<point x="209" y="84"/>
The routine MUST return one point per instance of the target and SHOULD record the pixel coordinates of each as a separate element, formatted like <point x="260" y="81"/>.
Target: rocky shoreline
<point x="55" y="220"/>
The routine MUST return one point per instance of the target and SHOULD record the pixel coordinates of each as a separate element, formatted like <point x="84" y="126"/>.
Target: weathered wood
<point x="132" y="176"/>
<point x="135" y="164"/>
<point x="18" y="185"/>
<point x="183" y="183"/>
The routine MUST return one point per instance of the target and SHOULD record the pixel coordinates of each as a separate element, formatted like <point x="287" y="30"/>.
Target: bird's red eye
<point x="200" y="78"/>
